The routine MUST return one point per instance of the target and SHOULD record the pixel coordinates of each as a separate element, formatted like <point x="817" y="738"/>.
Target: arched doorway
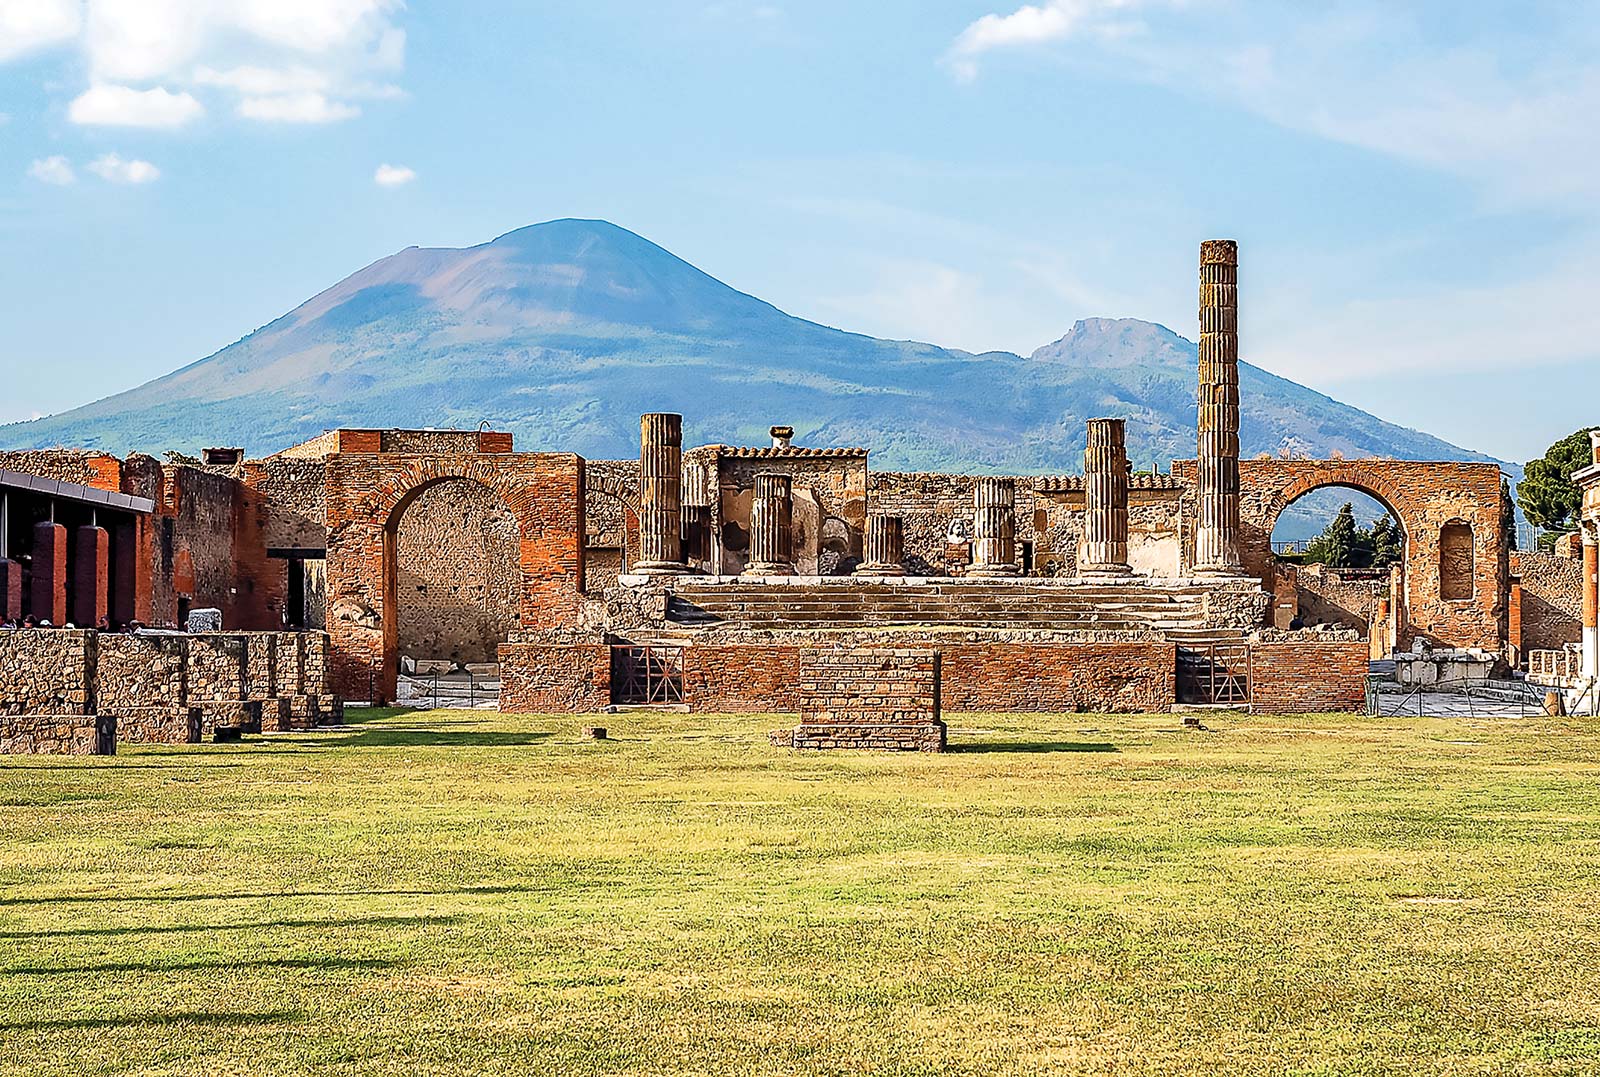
<point x="456" y="574"/>
<point x="1338" y="555"/>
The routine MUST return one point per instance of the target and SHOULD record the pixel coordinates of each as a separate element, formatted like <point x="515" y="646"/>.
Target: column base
<point x="1105" y="571"/>
<point x="659" y="568"/>
<point x="993" y="571"/>
<point x="869" y="569"/>
<point x="768" y="568"/>
<point x="1219" y="570"/>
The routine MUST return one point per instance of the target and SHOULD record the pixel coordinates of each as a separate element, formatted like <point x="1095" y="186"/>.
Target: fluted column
<point x="771" y="552"/>
<point x="660" y="477"/>
<point x="885" y="547"/>
<point x="1216" y="544"/>
<point x="1105" y="500"/>
<point x="994" y="528"/>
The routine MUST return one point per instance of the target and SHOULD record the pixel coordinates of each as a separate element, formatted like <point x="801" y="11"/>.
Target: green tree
<point x="1342" y="544"/>
<point x="1388" y="542"/>
<point x="1508" y="514"/>
<point x="1547" y="494"/>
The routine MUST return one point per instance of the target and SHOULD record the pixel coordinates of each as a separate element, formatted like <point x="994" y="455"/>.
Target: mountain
<point x="564" y="332"/>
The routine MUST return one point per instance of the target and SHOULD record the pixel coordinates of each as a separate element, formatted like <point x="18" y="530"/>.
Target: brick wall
<point x="1060" y="678"/>
<point x="740" y="679"/>
<point x="538" y="678"/>
<point x="1303" y="677"/>
<point x="866" y="697"/>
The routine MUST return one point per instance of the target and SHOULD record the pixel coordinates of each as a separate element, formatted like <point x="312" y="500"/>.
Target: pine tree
<point x="1547" y="494"/>
<point x="1388" y="542"/>
<point x="1342" y="544"/>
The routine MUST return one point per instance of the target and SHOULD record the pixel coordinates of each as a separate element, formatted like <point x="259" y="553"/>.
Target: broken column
<point x="91" y="575"/>
<point x="1105" y="500"/>
<point x="771" y="544"/>
<point x="660" y="478"/>
<point x="48" y="586"/>
<point x="885" y="547"/>
<point x="994" y="528"/>
<point x="1216" y="542"/>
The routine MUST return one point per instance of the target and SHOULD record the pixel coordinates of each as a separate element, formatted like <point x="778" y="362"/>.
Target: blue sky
<point x="1415" y="187"/>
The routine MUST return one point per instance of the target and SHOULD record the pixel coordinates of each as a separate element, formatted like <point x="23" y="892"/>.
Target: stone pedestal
<point x="1216" y="545"/>
<point x="994" y="528"/>
<point x="1104" y="551"/>
<point x="91" y="576"/>
<point x="771" y="542"/>
<point x="885" y="547"/>
<point x="660" y="506"/>
<point x="47" y="598"/>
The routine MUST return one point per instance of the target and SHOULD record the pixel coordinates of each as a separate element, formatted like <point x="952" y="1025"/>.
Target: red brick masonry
<point x="868" y="697"/>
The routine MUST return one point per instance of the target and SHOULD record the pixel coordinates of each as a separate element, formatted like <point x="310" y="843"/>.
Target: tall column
<point x="91" y="575"/>
<point x="1216" y="542"/>
<point x="1591" y="602"/>
<point x="885" y="547"/>
<point x="660" y="478"/>
<point x="771" y="544"/>
<point x="994" y="528"/>
<point x="48" y="587"/>
<point x="1105" y="500"/>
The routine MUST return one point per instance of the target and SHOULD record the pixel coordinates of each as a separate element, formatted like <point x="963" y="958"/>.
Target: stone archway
<point x="1423" y="498"/>
<point x="367" y="495"/>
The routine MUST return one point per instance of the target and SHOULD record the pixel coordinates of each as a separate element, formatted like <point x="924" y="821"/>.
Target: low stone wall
<point x="764" y="677"/>
<point x="867" y="697"/>
<point x="546" y="678"/>
<point x="57" y="734"/>
<point x="1308" y="676"/>
<point x="168" y="688"/>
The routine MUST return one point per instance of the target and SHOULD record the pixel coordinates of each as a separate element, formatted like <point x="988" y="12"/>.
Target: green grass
<point x="463" y="893"/>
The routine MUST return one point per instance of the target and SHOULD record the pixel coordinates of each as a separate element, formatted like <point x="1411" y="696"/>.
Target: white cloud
<point x="29" y="25"/>
<point x="307" y="107"/>
<point x="55" y="170"/>
<point x="114" y="169"/>
<point x="389" y="175"/>
<point x="124" y="106"/>
<point x="1032" y="24"/>
<point x="287" y="61"/>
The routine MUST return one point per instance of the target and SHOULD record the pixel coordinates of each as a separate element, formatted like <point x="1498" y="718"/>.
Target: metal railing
<point x="646" y="675"/>
<point x="1482" y="698"/>
<point x="432" y="691"/>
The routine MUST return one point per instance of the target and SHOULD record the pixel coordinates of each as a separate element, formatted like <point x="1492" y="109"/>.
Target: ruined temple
<point x="712" y="576"/>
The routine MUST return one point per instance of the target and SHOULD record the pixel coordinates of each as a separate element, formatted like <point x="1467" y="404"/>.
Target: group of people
<point x="30" y="621"/>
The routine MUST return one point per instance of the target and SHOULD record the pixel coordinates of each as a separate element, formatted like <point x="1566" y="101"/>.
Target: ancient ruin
<point x="739" y="578"/>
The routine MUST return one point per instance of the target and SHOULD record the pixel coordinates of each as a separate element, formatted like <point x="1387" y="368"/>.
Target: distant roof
<point x="72" y="491"/>
<point x="777" y="452"/>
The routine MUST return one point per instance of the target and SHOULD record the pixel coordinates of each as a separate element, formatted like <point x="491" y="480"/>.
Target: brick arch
<point x="367" y="493"/>
<point x="1423" y="496"/>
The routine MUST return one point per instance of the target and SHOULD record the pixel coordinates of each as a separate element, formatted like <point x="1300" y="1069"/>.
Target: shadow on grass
<point x="1036" y="746"/>
<point x="415" y="738"/>
<point x="155" y="1020"/>
<point x="62" y="899"/>
<point x="219" y="963"/>
<point x="255" y="925"/>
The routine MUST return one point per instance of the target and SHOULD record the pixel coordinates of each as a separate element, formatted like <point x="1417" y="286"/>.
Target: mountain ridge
<point x="564" y="331"/>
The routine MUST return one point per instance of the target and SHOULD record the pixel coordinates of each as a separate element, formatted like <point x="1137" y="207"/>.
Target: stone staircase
<point x="969" y="604"/>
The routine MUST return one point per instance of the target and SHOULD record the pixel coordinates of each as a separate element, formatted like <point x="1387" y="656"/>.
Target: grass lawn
<point x="465" y="892"/>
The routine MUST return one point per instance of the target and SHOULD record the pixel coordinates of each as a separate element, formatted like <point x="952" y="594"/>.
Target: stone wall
<point x="1049" y="678"/>
<point x="82" y="466"/>
<point x="57" y="734"/>
<point x="1305" y="676"/>
<point x="1331" y="596"/>
<point x="1552" y="599"/>
<point x="168" y="688"/>
<point x="456" y="556"/>
<point x="866" y="697"/>
<point x="46" y="671"/>
<point x="739" y="679"/>
<point x="538" y="678"/>
<point x="828" y="496"/>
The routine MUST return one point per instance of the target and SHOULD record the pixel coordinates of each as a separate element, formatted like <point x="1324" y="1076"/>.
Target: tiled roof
<point x="775" y="452"/>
